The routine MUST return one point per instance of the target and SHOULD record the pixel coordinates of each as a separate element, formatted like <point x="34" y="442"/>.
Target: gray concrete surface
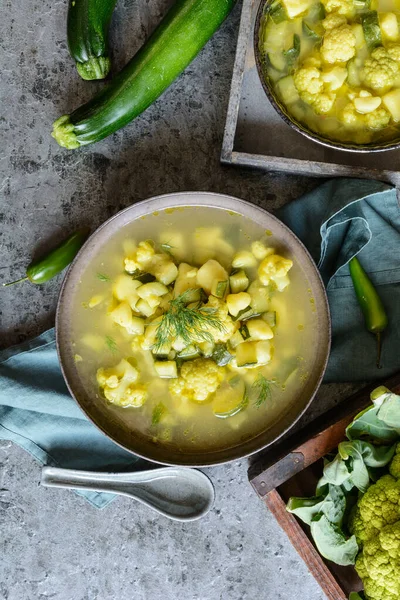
<point x="53" y="544"/>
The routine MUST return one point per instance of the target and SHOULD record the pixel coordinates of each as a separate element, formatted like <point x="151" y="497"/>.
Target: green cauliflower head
<point x="379" y="564"/>
<point x="376" y="525"/>
<point x="380" y="70"/>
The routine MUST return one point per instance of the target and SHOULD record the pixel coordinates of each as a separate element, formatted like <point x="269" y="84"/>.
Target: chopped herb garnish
<point x="104" y="278"/>
<point x="111" y="343"/>
<point x="262" y="385"/>
<point x="167" y="248"/>
<point x="158" y="412"/>
<point x="189" y="324"/>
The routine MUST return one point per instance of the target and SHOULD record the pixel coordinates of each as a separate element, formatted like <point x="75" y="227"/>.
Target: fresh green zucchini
<point x="219" y="289"/>
<point x="246" y="354"/>
<point x="239" y="282"/>
<point x="277" y="12"/>
<point x="189" y="353"/>
<point x="221" y="355"/>
<point x="87" y="33"/>
<point x="293" y="53"/>
<point x="230" y="399"/>
<point x="371" y="28"/>
<point x="353" y="72"/>
<point x="270" y="318"/>
<point x="316" y="13"/>
<point x="181" y="35"/>
<point x="311" y="31"/>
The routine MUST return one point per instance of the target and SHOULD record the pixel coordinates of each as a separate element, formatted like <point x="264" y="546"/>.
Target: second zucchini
<point x="87" y="33"/>
<point x="177" y="40"/>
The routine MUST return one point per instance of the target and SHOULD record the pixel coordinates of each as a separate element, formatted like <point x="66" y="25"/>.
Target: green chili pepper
<point x="371" y="305"/>
<point x="53" y="263"/>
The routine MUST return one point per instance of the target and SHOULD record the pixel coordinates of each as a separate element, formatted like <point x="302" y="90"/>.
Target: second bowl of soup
<point x="332" y="69"/>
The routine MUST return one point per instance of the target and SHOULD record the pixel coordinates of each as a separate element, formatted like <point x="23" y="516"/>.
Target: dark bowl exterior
<point x="288" y="118"/>
<point x="96" y="409"/>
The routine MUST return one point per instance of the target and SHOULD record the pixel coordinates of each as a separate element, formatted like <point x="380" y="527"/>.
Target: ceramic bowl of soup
<point x="331" y="69"/>
<point x="193" y="329"/>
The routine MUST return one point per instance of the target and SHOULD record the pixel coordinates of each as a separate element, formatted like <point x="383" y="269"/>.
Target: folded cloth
<point x="336" y="221"/>
<point x="340" y="219"/>
<point x="38" y="413"/>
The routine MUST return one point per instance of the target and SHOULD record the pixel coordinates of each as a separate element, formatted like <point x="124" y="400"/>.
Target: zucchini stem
<point x="96" y="67"/>
<point x="63" y="133"/>
<point x="16" y="281"/>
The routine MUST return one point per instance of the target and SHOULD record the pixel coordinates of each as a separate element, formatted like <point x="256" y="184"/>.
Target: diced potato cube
<point x="202" y="255"/>
<point x="178" y="344"/>
<point x="174" y="243"/>
<point x="122" y="315"/>
<point x="263" y="352"/>
<point x="358" y="32"/>
<point x="244" y="259"/>
<point x="392" y="102"/>
<point x="95" y="300"/>
<point x="144" y="307"/>
<point x="164" y="269"/>
<point x="237" y="302"/>
<point x="281" y="282"/>
<point x="259" y="329"/>
<point x="155" y="288"/>
<point x="210" y="271"/>
<point x="153" y="301"/>
<point x="151" y="334"/>
<point x="166" y="369"/>
<point x="125" y="286"/>
<point x="206" y="348"/>
<point x="93" y="341"/>
<point x="260" y="250"/>
<point x="389" y="25"/>
<point x="365" y="105"/>
<point x="259" y="297"/>
<point x="336" y="76"/>
<point x="205" y="237"/>
<point x="224" y="247"/>
<point x="186" y="279"/>
<point x="296" y="7"/>
<point x="246" y="354"/>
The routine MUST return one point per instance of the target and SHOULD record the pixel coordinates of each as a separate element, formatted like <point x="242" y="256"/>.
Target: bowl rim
<point x="292" y="121"/>
<point x="211" y="200"/>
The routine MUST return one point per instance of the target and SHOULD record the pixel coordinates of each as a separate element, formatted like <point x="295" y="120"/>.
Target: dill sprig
<point x="104" y="278"/>
<point x="111" y="344"/>
<point x="167" y="248"/>
<point x="262" y="385"/>
<point x="190" y="324"/>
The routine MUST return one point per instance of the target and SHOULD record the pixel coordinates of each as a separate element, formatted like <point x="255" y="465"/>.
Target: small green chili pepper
<point x="53" y="263"/>
<point x="371" y="305"/>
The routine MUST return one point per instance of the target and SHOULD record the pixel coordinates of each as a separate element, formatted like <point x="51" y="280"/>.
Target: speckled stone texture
<point x="54" y="544"/>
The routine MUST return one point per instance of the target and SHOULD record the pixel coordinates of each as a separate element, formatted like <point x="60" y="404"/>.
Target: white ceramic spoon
<point x="179" y="493"/>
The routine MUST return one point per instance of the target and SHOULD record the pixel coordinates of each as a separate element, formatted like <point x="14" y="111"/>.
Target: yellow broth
<point x="335" y="66"/>
<point x="190" y="426"/>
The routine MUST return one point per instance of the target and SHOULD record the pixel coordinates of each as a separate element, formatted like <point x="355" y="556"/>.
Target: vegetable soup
<point x="335" y="66"/>
<point x="195" y="327"/>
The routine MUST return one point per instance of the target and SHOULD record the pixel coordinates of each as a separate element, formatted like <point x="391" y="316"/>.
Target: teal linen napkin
<point x="338" y="220"/>
<point x="38" y="413"/>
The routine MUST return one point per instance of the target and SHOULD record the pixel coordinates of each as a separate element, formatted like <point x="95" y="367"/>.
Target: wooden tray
<point x="293" y="467"/>
<point x="256" y="136"/>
